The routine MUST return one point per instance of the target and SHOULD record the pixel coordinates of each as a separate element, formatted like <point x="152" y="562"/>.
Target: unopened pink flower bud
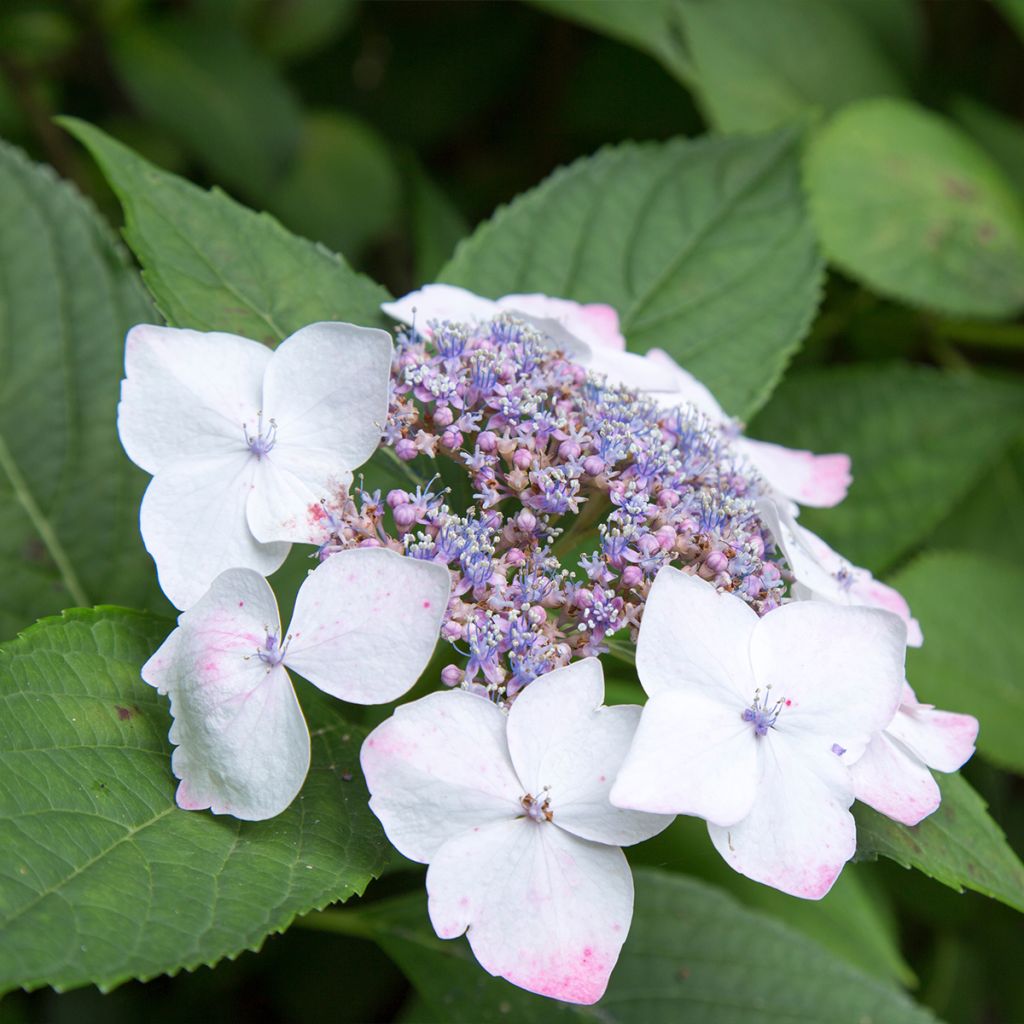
<point x="406" y="450"/>
<point x="522" y="459"/>
<point x="667" y="498"/>
<point x="397" y="497"/>
<point x="515" y="556"/>
<point x="405" y="516"/>
<point x="717" y="562"/>
<point x="443" y="416"/>
<point x="487" y="441"/>
<point x="451" y="439"/>
<point x="593" y="465"/>
<point x="526" y="521"/>
<point x="569" y="450"/>
<point x="451" y="675"/>
<point x="666" y="538"/>
<point x="632" y="576"/>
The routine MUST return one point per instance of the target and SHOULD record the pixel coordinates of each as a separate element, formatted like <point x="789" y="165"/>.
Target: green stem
<point x="47" y="534"/>
<point x="403" y="466"/>
<point x="980" y="332"/>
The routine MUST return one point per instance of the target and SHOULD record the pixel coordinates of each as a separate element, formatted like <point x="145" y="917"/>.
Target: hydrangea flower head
<point x="241" y="440"/>
<point x="364" y="627"/>
<point x="511" y="812"/>
<point x="751" y="723"/>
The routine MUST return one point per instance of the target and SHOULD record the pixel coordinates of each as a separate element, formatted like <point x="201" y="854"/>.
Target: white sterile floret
<point x="243" y="443"/>
<point x="364" y="627"/>
<point x="752" y="721"/>
<point x="893" y="775"/>
<point x="823" y="574"/>
<point x="511" y="812"/>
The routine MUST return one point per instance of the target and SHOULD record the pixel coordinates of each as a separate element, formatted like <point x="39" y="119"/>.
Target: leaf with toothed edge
<point x="214" y="265"/>
<point x="103" y="878"/>
<point x="703" y="246"/>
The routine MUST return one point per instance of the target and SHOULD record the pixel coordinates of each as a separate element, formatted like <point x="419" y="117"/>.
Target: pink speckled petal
<point x="820" y="481"/>
<point x="438" y="767"/>
<point x="944" y="740"/>
<point x="439" y="302"/>
<point x="838" y="669"/>
<point x="326" y="389"/>
<point x="242" y="746"/>
<point x="894" y="782"/>
<point x="564" y="743"/>
<point x="366" y="622"/>
<point x="694" y="637"/>
<point x="691" y="755"/>
<point x="799" y="833"/>
<point x="187" y="394"/>
<point x="193" y="524"/>
<point x="541" y="908"/>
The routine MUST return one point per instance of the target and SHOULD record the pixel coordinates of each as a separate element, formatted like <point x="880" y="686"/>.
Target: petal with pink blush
<point x="944" y="740"/>
<point x="554" y="925"/>
<point x="691" y="755"/>
<point x="565" y="743"/>
<point x="439" y="767"/>
<point x="596" y="325"/>
<point x="879" y="595"/>
<point x="894" y="782"/>
<point x="799" y="833"/>
<point x="366" y="622"/>
<point x="819" y="481"/>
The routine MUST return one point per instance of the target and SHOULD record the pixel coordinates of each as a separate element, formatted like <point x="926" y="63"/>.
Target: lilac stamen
<point x="760" y="715"/>
<point x="260" y="445"/>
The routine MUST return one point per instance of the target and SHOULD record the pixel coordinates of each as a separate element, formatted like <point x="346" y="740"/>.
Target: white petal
<point x="438" y="767"/>
<point x="691" y="755"/>
<point x="326" y="388"/>
<point x="366" y="622"/>
<point x="187" y="393"/>
<point x="839" y="670"/>
<point x="566" y="745"/>
<point x="894" y="782"/>
<point x="193" y="524"/>
<point x="819" y="481"/>
<point x="595" y="324"/>
<point x="800" y="832"/>
<point x="692" y="635"/>
<point x="634" y="372"/>
<point x="543" y="909"/>
<point x="942" y="739"/>
<point x="242" y="746"/>
<point x="684" y="389"/>
<point x="439" y="302"/>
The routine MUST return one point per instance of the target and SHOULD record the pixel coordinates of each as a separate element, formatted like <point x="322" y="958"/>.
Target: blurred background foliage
<point x="388" y="130"/>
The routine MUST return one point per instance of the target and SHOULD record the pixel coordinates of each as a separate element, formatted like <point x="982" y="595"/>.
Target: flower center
<point x="762" y="714"/>
<point x="538" y="808"/>
<point x="272" y="652"/>
<point x="263" y="441"/>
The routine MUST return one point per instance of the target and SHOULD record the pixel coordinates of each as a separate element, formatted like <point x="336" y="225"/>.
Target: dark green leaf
<point x="920" y="440"/>
<point x="68" y="495"/>
<point x="103" y="878"/>
<point x="693" y="954"/>
<point x="959" y="845"/>
<point x="703" y="247"/>
<point x="214" y="265"/>
<point x="971" y="607"/>
<point x="908" y="204"/>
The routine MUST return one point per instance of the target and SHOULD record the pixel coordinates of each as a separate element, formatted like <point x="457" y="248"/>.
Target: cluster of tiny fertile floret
<point x="565" y="497"/>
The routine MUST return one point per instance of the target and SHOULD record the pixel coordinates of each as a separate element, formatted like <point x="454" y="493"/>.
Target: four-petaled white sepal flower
<point x="893" y="777"/>
<point x="243" y="443"/>
<point x="511" y="812"/>
<point x="364" y="627"/>
<point x="823" y="574"/>
<point x="751" y="723"/>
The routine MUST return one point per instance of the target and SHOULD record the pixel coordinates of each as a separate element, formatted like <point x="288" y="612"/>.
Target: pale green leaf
<point x="693" y="954"/>
<point x="1000" y="136"/>
<point x="919" y="439"/>
<point x="68" y="494"/>
<point x="971" y="607"/>
<point x="908" y="204"/>
<point x="212" y="264"/>
<point x="958" y="845"/>
<point x="102" y="877"/>
<point x="758" y="65"/>
<point x="703" y="247"/>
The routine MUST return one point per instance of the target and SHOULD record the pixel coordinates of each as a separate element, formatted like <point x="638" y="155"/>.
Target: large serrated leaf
<point x="919" y="440"/>
<point x="693" y="954"/>
<point x="215" y="265"/>
<point x="703" y="247"/>
<point x="958" y="845"/>
<point x="908" y="204"/>
<point x="970" y="607"/>
<point x="68" y="495"/>
<point x="102" y="877"/>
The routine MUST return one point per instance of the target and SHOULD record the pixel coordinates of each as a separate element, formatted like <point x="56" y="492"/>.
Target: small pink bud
<point x="569" y="450"/>
<point x="406" y="450"/>
<point x="632" y="576"/>
<point x="717" y="562"/>
<point x="537" y="615"/>
<point x="593" y="465"/>
<point x="443" y="416"/>
<point x="526" y="521"/>
<point x="757" y="543"/>
<point x="405" y="516"/>
<point x="451" y="675"/>
<point x="370" y="542"/>
<point x="667" y="498"/>
<point x="452" y="630"/>
<point x="487" y="441"/>
<point x="522" y="459"/>
<point x="397" y="497"/>
<point x="451" y="439"/>
<point x="649" y="544"/>
<point x="515" y="556"/>
<point x="666" y="538"/>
